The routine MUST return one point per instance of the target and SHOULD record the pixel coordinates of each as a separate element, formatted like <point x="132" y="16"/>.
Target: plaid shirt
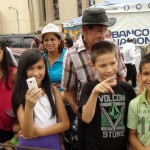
<point x="77" y="68"/>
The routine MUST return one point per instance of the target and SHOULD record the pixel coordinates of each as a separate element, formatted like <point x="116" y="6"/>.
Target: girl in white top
<point x="38" y="109"/>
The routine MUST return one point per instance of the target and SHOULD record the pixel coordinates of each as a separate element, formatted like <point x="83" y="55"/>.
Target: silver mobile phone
<point x="31" y="82"/>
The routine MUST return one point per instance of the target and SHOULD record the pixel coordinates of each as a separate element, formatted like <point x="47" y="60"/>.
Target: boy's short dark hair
<point x="102" y="47"/>
<point x="145" y="60"/>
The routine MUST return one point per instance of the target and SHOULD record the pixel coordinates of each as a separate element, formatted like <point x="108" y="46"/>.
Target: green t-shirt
<point x="139" y="118"/>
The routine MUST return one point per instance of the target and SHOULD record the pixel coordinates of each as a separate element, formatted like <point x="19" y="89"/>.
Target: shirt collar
<point x="143" y="96"/>
<point x="81" y="45"/>
<point x="62" y="56"/>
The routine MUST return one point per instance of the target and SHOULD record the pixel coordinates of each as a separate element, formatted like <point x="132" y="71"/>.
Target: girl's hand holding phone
<point x="33" y="94"/>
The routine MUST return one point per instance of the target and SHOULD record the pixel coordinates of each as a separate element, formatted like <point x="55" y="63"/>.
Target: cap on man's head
<point x="131" y="36"/>
<point x="97" y="16"/>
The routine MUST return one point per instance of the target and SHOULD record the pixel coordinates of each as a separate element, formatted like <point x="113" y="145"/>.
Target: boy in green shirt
<point x="139" y="110"/>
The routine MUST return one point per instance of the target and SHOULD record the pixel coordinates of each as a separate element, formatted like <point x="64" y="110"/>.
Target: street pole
<point x="17" y="18"/>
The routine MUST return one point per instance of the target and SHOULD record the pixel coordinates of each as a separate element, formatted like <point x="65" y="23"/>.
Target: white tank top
<point x="43" y="112"/>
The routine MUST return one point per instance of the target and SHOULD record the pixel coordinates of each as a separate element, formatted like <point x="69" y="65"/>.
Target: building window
<point x="56" y="10"/>
<point x="79" y="8"/>
<point x="43" y="10"/>
<point x="91" y="2"/>
<point x="30" y="5"/>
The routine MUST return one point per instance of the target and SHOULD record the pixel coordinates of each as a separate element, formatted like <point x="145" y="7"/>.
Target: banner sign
<point x="127" y="7"/>
<point x="132" y="21"/>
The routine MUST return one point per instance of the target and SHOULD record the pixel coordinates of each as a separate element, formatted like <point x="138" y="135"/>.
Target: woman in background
<point x="53" y="42"/>
<point x="7" y="79"/>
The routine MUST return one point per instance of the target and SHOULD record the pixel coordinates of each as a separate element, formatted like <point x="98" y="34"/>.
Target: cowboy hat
<point x="97" y="16"/>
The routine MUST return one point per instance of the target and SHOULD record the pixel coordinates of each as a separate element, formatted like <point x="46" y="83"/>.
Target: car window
<point x="8" y="40"/>
<point x="27" y="42"/>
<point x="16" y="41"/>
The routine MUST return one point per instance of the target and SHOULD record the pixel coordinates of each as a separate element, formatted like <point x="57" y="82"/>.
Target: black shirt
<point x="108" y="128"/>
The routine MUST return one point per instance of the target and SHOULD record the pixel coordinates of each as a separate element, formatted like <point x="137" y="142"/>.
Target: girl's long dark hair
<point x="6" y="63"/>
<point x="27" y="59"/>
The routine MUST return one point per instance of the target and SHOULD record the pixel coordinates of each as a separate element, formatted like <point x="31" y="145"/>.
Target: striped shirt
<point x="77" y="68"/>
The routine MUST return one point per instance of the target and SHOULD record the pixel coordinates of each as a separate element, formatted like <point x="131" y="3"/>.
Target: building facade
<point x="28" y="16"/>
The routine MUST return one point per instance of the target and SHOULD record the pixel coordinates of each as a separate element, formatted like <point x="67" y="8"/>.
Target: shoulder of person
<point x="36" y="38"/>
<point x="127" y="89"/>
<point x="14" y="73"/>
<point x="125" y="85"/>
<point x="71" y="52"/>
<point x="64" y="51"/>
<point x="90" y="84"/>
<point x="126" y="44"/>
<point x="86" y="91"/>
<point x="135" y="101"/>
<point x="13" y="69"/>
<point x="73" y="49"/>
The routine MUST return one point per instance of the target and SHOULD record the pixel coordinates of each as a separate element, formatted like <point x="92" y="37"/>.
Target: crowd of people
<point x="80" y="82"/>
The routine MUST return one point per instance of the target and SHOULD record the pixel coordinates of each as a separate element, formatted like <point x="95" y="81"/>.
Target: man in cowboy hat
<point x="77" y="68"/>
